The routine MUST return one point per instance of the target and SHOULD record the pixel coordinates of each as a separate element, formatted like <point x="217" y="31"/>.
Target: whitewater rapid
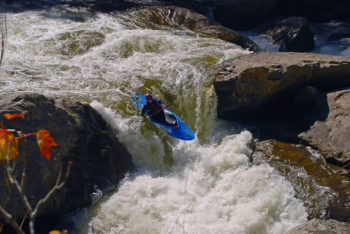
<point x="207" y="185"/>
<point x="210" y="188"/>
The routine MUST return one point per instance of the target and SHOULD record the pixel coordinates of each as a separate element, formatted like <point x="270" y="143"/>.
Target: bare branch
<point x="14" y="182"/>
<point x="24" y="163"/>
<point x="57" y="186"/>
<point x="9" y="219"/>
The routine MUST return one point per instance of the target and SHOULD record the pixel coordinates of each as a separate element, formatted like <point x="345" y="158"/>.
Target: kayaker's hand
<point x="147" y="116"/>
<point x="164" y="107"/>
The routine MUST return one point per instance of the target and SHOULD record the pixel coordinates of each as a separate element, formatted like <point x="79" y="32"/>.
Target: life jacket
<point x="156" y="107"/>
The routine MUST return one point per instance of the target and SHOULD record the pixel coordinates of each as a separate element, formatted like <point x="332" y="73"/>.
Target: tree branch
<point x="9" y="219"/>
<point x="57" y="186"/>
<point x="15" y="183"/>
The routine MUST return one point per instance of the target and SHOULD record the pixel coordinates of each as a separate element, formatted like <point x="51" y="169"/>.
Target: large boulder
<point x="292" y="34"/>
<point x="177" y="17"/>
<point x="267" y="82"/>
<point x="242" y="14"/>
<point x="83" y="137"/>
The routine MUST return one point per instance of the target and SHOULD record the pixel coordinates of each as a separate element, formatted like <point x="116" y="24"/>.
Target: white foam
<point x="211" y="189"/>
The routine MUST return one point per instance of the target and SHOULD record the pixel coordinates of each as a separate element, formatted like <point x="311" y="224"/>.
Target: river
<point x="207" y="185"/>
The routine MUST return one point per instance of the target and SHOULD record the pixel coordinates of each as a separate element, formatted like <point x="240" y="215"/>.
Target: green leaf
<point x="8" y="183"/>
<point x="23" y="220"/>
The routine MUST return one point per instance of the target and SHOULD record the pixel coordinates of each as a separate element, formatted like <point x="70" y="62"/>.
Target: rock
<point x="242" y="14"/>
<point x="320" y="185"/>
<point x="292" y="34"/>
<point x="267" y="82"/>
<point x="317" y="226"/>
<point x="178" y="17"/>
<point x="332" y="136"/>
<point x="339" y="210"/>
<point x="82" y="136"/>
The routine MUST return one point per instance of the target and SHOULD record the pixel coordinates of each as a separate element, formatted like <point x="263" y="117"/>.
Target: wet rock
<point x="292" y="34"/>
<point x="82" y="136"/>
<point x="317" y="226"/>
<point x="178" y="17"/>
<point x="321" y="186"/>
<point x="267" y="82"/>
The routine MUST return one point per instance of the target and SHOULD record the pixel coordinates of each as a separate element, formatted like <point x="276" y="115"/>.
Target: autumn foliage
<point x="45" y="142"/>
<point x="8" y="145"/>
<point x="9" y="142"/>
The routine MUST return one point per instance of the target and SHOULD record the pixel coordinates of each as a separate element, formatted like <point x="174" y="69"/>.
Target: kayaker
<point x="154" y="109"/>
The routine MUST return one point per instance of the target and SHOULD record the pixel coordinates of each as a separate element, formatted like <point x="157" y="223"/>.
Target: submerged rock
<point x="82" y="136"/>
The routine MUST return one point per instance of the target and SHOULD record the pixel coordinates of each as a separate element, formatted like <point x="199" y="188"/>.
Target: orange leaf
<point x="5" y="139"/>
<point x="14" y="115"/>
<point x="3" y="131"/>
<point x="45" y="142"/>
<point x="58" y="232"/>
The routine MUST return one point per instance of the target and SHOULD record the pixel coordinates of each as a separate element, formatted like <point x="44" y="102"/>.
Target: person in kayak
<point x="155" y="108"/>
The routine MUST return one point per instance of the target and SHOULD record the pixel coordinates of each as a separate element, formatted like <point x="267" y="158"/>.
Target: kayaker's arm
<point x="145" y="111"/>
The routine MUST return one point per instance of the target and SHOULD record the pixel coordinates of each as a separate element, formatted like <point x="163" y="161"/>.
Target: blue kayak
<point x="182" y="132"/>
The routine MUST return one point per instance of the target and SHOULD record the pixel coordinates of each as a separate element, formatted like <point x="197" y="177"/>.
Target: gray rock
<point x="332" y="136"/>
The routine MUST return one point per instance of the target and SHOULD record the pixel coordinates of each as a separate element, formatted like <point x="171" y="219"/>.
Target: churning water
<point x="207" y="185"/>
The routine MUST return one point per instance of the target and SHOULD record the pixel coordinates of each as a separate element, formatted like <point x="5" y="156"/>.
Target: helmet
<point x="148" y="97"/>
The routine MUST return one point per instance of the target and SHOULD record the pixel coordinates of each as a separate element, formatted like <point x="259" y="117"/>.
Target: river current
<point x="207" y="185"/>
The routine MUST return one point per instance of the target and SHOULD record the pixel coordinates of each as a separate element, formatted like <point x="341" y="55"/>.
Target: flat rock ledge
<point x="249" y="83"/>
